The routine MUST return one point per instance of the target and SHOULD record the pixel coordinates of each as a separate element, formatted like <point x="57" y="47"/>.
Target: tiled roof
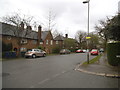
<point x="44" y="35"/>
<point x="59" y="38"/>
<point x="6" y="29"/>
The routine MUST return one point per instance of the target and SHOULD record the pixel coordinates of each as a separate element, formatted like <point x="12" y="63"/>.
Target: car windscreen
<point x="63" y="50"/>
<point x="29" y="50"/>
<point x="94" y="50"/>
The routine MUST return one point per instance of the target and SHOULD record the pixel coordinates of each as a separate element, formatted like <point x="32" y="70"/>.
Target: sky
<point x="70" y="15"/>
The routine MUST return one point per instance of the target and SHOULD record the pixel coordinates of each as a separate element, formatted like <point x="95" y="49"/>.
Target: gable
<point x="59" y="38"/>
<point x="49" y="35"/>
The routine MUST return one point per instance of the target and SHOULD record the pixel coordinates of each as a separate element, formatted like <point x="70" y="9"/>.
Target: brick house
<point x="65" y="42"/>
<point x="59" y="41"/>
<point x="32" y="39"/>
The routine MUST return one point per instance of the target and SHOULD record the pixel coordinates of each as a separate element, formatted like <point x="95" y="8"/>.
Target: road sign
<point x="88" y="37"/>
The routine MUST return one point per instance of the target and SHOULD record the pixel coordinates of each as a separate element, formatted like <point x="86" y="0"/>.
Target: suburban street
<point x="55" y="71"/>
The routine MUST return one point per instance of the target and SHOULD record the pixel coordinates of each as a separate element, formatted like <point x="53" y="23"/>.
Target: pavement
<point x="101" y="68"/>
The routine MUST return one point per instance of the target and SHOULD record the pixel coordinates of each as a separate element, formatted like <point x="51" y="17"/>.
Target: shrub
<point x="6" y="47"/>
<point x="40" y="47"/>
<point x="56" y="49"/>
<point x="72" y="50"/>
<point x="113" y="49"/>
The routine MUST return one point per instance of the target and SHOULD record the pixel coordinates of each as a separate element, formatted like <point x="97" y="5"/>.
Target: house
<point x="65" y="42"/>
<point x="59" y="41"/>
<point x="25" y="38"/>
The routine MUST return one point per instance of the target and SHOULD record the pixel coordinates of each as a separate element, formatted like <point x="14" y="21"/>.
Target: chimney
<point x="22" y="26"/>
<point x="39" y="33"/>
<point x="66" y="35"/>
<point x="29" y="27"/>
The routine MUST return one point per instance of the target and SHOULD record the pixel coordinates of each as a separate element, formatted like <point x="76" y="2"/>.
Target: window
<point x="24" y="41"/>
<point x="41" y="42"/>
<point x="56" y="42"/>
<point x="34" y="42"/>
<point x="23" y="49"/>
<point x="47" y="41"/>
<point x="8" y="37"/>
<point x="51" y="42"/>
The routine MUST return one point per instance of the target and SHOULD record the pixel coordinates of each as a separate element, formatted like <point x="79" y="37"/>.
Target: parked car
<point x="84" y="50"/>
<point x="35" y="53"/>
<point x="101" y="50"/>
<point x="94" y="52"/>
<point x="79" y="51"/>
<point x="65" y="51"/>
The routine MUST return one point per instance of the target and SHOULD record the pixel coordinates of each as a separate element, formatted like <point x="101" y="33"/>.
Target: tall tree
<point x="94" y="41"/>
<point x="114" y="28"/>
<point x="110" y="28"/>
<point x="49" y="21"/>
<point x="69" y="43"/>
<point x="102" y="29"/>
<point x="80" y="37"/>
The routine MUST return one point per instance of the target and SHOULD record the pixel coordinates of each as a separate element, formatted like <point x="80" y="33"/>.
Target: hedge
<point x="113" y="50"/>
<point x="6" y="47"/>
<point x="56" y="49"/>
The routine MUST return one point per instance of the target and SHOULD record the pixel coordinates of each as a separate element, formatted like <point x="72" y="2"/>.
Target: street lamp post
<point x="84" y="2"/>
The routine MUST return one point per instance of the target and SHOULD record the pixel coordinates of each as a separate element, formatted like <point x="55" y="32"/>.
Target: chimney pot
<point x="66" y="35"/>
<point x="39" y="33"/>
<point x="29" y="27"/>
<point x="22" y="26"/>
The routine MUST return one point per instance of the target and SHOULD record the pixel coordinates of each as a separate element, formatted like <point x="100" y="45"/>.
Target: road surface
<point x="55" y="71"/>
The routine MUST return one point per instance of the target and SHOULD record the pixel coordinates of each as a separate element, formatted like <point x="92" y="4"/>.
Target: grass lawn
<point x="93" y="60"/>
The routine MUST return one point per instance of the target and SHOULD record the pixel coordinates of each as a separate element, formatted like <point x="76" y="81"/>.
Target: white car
<point x="35" y="53"/>
<point x="84" y="50"/>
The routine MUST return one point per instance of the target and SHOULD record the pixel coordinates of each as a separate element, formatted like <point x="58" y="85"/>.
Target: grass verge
<point x="93" y="60"/>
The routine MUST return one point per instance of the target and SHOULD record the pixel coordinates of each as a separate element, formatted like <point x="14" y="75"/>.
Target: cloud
<point x="71" y="15"/>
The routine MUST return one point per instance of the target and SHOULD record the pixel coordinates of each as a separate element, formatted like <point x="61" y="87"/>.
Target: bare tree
<point x="102" y="30"/>
<point x="55" y="33"/>
<point x="17" y="21"/>
<point x="80" y="37"/>
<point x="51" y="19"/>
<point x="49" y="22"/>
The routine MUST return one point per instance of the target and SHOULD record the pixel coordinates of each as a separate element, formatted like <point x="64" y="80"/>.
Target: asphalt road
<point x="55" y="71"/>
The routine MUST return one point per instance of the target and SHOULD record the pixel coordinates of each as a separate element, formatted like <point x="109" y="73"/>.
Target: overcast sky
<point x="71" y="15"/>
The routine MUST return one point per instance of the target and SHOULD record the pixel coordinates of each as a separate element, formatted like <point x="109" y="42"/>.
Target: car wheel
<point x="33" y="56"/>
<point x="44" y="55"/>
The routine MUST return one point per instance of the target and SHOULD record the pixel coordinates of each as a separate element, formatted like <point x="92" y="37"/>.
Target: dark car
<point x="94" y="52"/>
<point x="65" y="51"/>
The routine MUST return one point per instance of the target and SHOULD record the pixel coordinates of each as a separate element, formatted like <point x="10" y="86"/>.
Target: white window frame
<point x="24" y="41"/>
<point x="23" y="49"/>
<point x="41" y="43"/>
<point x="51" y="42"/>
<point x="56" y="42"/>
<point x="47" y="42"/>
<point x="8" y="37"/>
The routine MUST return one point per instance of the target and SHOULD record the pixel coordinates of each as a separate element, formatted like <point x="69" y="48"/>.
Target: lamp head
<point x="87" y="1"/>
